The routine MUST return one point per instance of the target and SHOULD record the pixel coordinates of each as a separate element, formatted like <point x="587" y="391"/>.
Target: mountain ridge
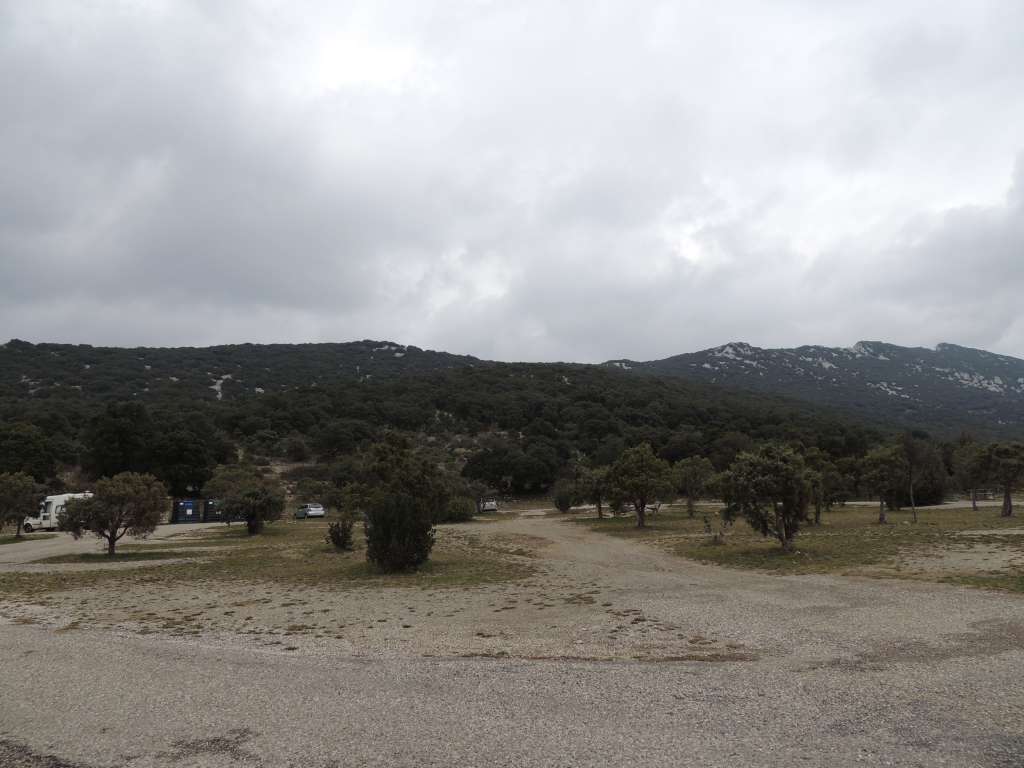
<point x="954" y="387"/>
<point x="947" y="389"/>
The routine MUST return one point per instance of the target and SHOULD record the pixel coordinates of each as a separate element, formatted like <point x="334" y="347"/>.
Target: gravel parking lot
<point x="796" y="670"/>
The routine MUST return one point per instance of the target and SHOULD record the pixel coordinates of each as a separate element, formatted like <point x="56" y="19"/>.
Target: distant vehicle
<point x="310" y="510"/>
<point x="49" y="511"/>
<point x="650" y="509"/>
<point x="489" y="505"/>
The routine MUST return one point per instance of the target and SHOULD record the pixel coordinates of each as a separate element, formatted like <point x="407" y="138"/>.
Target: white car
<point x="489" y="505"/>
<point x="310" y="510"/>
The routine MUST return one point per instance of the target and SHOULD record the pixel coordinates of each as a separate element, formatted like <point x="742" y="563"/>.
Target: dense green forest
<point x="514" y="425"/>
<point x="70" y="415"/>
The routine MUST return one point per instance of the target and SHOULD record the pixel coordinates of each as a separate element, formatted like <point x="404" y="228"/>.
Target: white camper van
<point x="46" y="520"/>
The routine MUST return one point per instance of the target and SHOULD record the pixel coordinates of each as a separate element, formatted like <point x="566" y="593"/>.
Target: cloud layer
<point x="526" y="180"/>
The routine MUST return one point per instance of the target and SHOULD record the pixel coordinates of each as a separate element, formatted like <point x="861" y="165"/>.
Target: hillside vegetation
<point x="520" y="424"/>
<point x="945" y="390"/>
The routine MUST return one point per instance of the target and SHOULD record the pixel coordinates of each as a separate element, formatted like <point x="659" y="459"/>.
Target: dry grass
<point x="849" y="541"/>
<point x="287" y="552"/>
<point x="10" y="538"/>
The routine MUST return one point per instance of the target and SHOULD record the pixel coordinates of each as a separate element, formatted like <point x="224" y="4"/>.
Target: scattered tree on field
<point x="245" y="494"/>
<point x="401" y="495"/>
<point x="692" y="476"/>
<point x="915" y="451"/>
<point x="640" y="477"/>
<point x="399" y="531"/>
<point x="594" y="484"/>
<point x="563" y="496"/>
<point x="20" y="496"/>
<point x="825" y="481"/>
<point x="769" y="488"/>
<point x="125" y="504"/>
<point x="971" y="468"/>
<point x="1006" y="465"/>
<point x="883" y="470"/>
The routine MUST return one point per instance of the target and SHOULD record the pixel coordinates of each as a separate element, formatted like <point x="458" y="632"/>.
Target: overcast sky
<point x="514" y="180"/>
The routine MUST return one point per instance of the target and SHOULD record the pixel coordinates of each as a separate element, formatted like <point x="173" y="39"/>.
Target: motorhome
<point x="49" y="510"/>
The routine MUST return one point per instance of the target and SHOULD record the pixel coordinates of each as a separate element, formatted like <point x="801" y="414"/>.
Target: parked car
<point x="310" y="510"/>
<point x="489" y="505"/>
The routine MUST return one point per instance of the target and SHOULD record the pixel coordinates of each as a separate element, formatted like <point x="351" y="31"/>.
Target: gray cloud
<point x="521" y="181"/>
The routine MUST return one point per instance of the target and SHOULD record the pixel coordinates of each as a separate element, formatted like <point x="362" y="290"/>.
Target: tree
<point x="563" y="497"/>
<point x="971" y="468"/>
<point x="1006" y="465"/>
<point x="128" y="503"/>
<point x="640" y="477"/>
<point x="915" y="451"/>
<point x="342" y="436"/>
<point x="769" y="488"/>
<point x="883" y="470"/>
<point x="401" y="496"/>
<point x="119" y="440"/>
<point x="19" y="496"/>
<point x="594" y="487"/>
<point x="244" y="493"/>
<point x="399" y="531"/>
<point x="182" y="459"/>
<point x="25" y="448"/>
<point x="339" y="532"/>
<point x="692" y="475"/>
<point x="825" y="481"/>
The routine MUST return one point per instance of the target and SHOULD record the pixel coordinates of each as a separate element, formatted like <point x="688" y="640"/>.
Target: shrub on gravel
<point x="339" y="532"/>
<point x="563" y="497"/>
<point x="399" y="531"/>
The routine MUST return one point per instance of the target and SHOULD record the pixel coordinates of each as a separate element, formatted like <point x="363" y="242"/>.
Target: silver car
<point x="310" y="510"/>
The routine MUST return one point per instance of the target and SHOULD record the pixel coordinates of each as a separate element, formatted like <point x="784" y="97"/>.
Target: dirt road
<point x="797" y="670"/>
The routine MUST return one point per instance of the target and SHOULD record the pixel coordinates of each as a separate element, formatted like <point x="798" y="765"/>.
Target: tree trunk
<point x="817" y="512"/>
<point x="641" y="515"/>
<point x="1007" y="501"/>
<point x="974" y="499"/>
<point x="881" y="511"/>
<point x="690" y="509"/>
<point x="111" y="543"/>
<point x="18" y="529"/>
<point x="599" y="512"/>
<point x="913" y="506"/>
<point x="253" y="525"/>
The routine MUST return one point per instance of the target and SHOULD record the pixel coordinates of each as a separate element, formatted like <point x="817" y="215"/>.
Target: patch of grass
<point x="1009" y="582"/>
<point x="12" y="539"/>
<point x="118" y="557"/>
<point x="849" y="540"/>
<point x="288" y="552"/>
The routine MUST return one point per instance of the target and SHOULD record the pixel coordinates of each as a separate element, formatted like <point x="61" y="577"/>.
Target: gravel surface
<point x="809" y="670"/>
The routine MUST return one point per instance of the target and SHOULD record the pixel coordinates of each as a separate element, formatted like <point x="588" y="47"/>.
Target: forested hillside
<point x="156" y="374"/>
<point x="946" y="390"/>
<point x="514" y="426"/>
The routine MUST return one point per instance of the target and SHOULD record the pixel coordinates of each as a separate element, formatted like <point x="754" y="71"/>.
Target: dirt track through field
<point x="611" y="653"/>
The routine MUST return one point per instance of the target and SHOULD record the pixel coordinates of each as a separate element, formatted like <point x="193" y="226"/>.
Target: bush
<point x="399" y="531"/>
<point x="563" y="497"/>
<point x="459" y="510"/>
<point x="295" y="449"/>
<point x="339" y="532"/>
